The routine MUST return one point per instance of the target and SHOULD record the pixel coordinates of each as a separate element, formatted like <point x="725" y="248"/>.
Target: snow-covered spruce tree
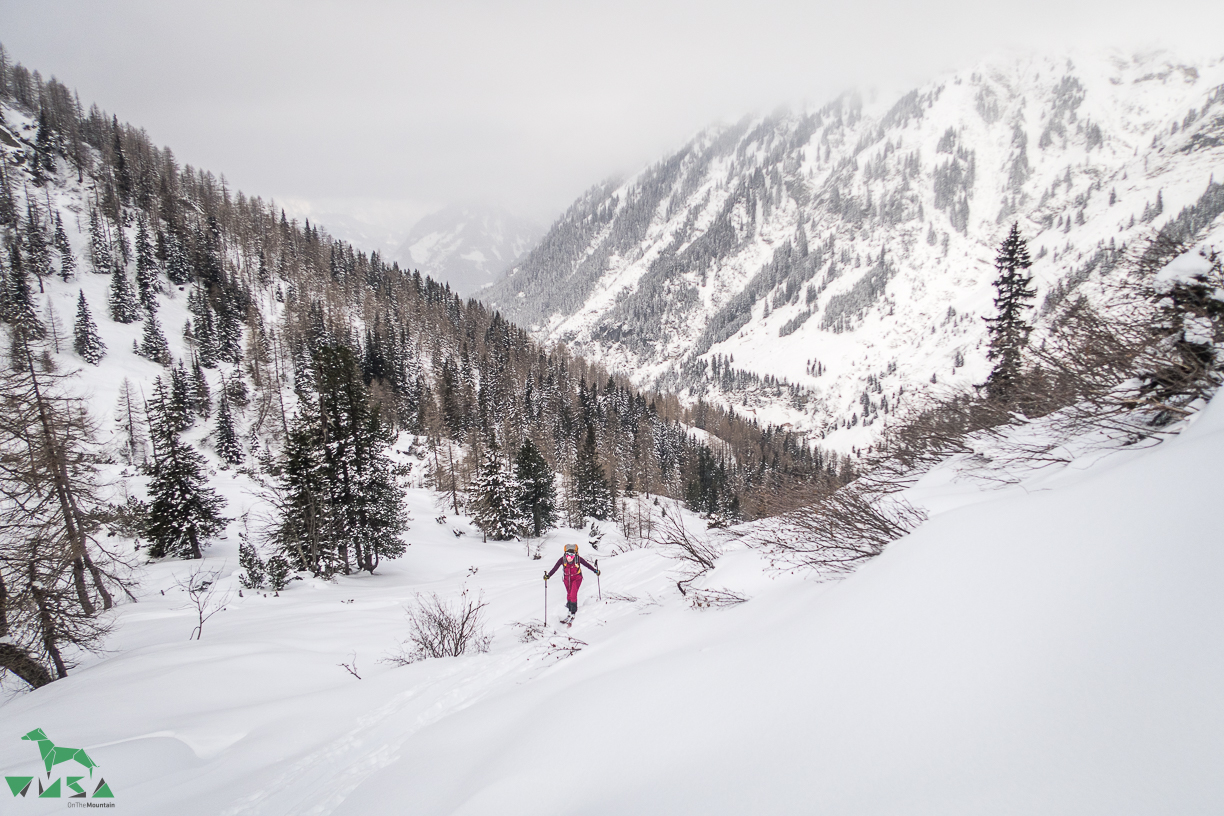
<point x="19" y="298"/>
<point x="178" y="263"/>
<point x="124" y="307"/>
<point x="85" y="338"/>
<point x="123" y="175"/>
<point x="38" y="253"/>
<point x="1190" y="325"/>
<point x="340" y="504"/>
<point x="178" y="399"/>
<point x="184" y="512"/>
<point x="146" y="266"/>
<point x="43" y="166"/>
<point x="67" y="260"/>
<point x="704" y="491"/>
<point x="99" y="246"/>
<point x="153" y="345"/>
<point x="229" y="330"/>
<point x="203" y="327"/>
<point x="593" y="496"/>
<point x="1008" y="329"/>
<point x="200" y="395"/>
<point x="236" y="389"/>
<point x="228" y="446"/>
<point x="496" y="497"/>
<point x="254" y="571"/>
<point x="538" y="493"/>
<point x="302" y="532"/>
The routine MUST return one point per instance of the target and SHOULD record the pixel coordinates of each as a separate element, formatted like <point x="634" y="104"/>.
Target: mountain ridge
<point x="801" y="267"/>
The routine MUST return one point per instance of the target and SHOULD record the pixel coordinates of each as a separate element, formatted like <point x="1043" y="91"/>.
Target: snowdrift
<point x="1052" y="652"/>
<point x="1051" y="647"/>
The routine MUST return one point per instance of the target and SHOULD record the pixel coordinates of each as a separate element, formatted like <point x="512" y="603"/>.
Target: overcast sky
<point x="387" y="110"/>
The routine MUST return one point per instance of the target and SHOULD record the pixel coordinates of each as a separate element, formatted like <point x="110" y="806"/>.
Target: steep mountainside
<point x="812" y="268"/>
<point x="467" y="246"/>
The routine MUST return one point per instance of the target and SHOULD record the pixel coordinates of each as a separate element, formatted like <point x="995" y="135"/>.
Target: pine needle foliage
<point x="538" y="493"/>
<point x="341" y="507"/>
<point x="85" y="338"/>
<point x="184" y="512"/>
<point x="1009" y="329"/>
<point x="497" y="497"/>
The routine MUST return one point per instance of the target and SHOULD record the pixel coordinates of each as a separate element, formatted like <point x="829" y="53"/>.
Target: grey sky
<point x="386" y="110"/>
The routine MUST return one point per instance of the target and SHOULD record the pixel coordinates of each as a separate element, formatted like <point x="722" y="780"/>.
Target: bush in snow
<point x="254" y="572"/>
<point x="438" y="628"/>
<point x="279" y="573"/>
<point x="273" y="574"/>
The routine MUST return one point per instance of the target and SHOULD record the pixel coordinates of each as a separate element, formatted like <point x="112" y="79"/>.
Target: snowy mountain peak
<point x="810" y="268"/>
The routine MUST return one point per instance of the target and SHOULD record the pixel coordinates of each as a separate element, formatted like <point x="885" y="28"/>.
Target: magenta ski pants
<point x="571" y="587"/>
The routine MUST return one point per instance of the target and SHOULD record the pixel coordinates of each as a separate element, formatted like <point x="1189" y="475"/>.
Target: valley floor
<point x="1047" y="647"/>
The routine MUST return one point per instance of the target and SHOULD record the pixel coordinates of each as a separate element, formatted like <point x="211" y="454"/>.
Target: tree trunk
<point x="99" y="584"/>
<point x="13" y="657"/>
<point x="48" y="627"/>
<point x="59" y="477"/>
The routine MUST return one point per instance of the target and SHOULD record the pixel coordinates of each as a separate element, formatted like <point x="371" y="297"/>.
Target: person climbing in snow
<point x="572" y="575"/>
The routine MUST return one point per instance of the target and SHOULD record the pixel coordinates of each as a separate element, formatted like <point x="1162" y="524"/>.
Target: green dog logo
<point x="53" y="755"/>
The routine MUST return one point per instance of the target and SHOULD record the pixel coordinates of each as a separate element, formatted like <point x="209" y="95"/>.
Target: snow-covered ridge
<point x="839" y="257"/>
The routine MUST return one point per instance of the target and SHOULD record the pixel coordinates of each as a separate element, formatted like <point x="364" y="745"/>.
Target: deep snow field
<point x="1048" y="647"/>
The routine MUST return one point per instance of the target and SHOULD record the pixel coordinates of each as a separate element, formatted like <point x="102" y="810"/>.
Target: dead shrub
<point x="839" y="532"/>
<point x="439" y="628"/>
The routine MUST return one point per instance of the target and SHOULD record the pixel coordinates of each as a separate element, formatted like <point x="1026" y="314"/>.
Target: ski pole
<point x="545" y="600"/>
<point x="598" y="585"/>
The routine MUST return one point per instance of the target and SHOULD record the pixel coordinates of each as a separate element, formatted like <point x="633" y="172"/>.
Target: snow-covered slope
<point x="1043" y="648"/>
<point x="467" y="246"/>
<point x="809" y="267"/>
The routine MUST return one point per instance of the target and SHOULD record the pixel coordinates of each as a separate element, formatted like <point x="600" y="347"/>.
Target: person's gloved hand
<point x="546" y="576"/>
<point x="597" y="572"/>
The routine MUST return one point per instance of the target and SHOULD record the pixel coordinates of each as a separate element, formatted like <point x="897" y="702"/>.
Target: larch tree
<point x="54" y="574"/>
